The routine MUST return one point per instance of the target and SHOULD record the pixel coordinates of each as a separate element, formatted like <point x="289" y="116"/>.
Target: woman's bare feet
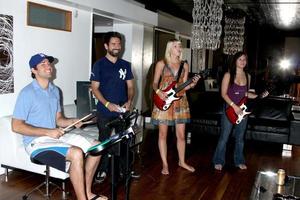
<point x="99" y="197"/>
<point x="165" y="170"/>
<point x="242" y="166"/>
<point x="218" y="167"/>
<point x="186" y="166"/>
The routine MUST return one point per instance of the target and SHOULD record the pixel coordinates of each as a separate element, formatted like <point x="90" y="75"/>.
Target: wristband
<point x="156" y="91"/>
<point x="107" y="103"/>
<point x="231" y="104"/>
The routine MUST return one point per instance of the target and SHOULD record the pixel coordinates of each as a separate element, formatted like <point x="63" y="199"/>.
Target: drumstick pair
<point x="73" y="124"/>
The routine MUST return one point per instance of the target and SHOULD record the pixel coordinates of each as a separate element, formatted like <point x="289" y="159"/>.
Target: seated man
<point x="37" y="115"/>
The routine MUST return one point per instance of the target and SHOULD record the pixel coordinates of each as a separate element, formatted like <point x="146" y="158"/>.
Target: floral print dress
<point x="179" y="111"/>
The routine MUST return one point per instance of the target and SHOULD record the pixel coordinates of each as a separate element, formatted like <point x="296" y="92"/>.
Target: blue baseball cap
<point x="38" y="58"/>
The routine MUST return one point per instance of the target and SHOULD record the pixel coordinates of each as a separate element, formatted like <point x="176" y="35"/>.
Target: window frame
<point x="68" y="16"/>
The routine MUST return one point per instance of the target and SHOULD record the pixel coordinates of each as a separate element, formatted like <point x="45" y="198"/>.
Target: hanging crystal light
<point x="207" y="29"/>
<point x="234" y="30"/>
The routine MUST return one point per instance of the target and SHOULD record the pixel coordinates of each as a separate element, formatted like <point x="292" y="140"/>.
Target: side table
<point x="265" y="186"/>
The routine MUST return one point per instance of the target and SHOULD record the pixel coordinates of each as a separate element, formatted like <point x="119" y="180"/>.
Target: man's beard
<point x="114" y="52"/>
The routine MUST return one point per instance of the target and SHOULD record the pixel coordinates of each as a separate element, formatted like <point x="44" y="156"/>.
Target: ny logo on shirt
<point x="122" y="73"/>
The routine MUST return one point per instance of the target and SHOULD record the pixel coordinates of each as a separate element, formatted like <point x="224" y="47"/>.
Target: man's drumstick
<point x="88" y="122"/>
<point x="71" y="125"/>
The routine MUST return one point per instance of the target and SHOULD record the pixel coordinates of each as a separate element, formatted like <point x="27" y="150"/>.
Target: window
<point x="48" y="17"/>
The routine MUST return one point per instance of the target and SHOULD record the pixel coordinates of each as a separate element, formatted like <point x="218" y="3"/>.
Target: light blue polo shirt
<point x="37" y="107"/>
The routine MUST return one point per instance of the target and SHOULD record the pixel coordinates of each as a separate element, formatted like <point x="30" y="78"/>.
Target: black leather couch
<point x="271" y="120"/>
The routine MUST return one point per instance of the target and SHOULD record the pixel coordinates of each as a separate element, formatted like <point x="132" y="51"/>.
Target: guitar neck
<point x="182" y="86"/>
<point x="189" y="81"/>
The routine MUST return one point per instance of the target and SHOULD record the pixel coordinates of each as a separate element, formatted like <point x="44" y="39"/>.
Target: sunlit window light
<point x="285" y="64"/>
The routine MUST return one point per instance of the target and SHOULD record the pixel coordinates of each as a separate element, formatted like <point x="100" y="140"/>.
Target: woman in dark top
<point x="235" y="85"/>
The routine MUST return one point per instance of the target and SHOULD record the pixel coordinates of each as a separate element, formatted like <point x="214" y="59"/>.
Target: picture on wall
<point x="6" y="54"/>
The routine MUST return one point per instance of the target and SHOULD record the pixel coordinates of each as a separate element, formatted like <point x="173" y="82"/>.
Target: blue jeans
<point x="238" y="133"/>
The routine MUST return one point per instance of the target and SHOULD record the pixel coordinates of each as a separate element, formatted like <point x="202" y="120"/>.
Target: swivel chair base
<point x="47" y="185"/>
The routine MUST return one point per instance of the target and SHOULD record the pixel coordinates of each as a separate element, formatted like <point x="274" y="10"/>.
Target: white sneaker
<point x="100" y="177"/>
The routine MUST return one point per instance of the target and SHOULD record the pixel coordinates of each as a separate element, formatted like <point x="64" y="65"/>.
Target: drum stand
<point x="128" y="137"/>
<point x="128" y="169"/>
<point x="113" y="178"/>
<point x="127" y="140"/>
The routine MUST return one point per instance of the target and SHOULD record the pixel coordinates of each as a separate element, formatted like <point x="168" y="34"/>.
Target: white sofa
<point x="13" y="154"/>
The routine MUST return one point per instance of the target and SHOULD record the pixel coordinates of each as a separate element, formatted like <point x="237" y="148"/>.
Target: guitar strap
<point x="180" y="70"/>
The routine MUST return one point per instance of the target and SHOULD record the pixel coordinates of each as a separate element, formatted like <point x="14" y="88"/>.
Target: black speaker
<point x="86" y="101"/>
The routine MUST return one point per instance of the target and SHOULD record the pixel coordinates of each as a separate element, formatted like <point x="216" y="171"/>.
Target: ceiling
<point x="256" y="11"/>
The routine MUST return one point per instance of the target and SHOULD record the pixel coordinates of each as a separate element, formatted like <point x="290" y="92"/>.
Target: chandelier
<point x="234" y="30"/>
<point x="207" y="29"/>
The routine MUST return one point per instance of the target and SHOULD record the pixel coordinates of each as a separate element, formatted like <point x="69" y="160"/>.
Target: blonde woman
<point x="178" y="114"/>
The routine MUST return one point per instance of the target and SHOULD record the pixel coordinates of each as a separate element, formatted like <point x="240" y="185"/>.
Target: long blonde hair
<point x="168" y="50"/>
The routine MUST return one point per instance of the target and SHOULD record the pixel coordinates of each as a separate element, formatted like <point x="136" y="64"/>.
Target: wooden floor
<point x="205" y="183"/>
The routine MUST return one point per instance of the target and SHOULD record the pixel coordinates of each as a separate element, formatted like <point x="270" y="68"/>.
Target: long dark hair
<point x="232" y="68"/>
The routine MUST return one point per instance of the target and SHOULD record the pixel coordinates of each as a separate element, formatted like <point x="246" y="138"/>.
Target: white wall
<point x="170" y="22"/>
<point x="118" y="9"/>
<point x="148" y="58"/>
<point x="72" y="49"/>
